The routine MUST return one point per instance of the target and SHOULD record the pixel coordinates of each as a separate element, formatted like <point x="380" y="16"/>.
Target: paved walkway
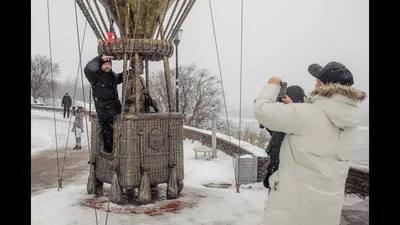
<point x="357" y="214"/>
<point x="44" y="172"/>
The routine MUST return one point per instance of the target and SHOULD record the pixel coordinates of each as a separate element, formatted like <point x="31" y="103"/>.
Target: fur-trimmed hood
<point x="339" y="103"/>
<point x="337" y="89"/>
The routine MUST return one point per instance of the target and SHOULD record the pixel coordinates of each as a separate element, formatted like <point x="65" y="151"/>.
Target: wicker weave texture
<point x="153" y="150"/>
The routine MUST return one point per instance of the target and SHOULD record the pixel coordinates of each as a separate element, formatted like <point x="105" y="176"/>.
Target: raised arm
<point x="277" y="116"/>
<point x="92" y="67"/>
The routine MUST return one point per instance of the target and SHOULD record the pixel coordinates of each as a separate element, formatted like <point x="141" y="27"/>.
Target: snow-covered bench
<point x="203" y="149"/>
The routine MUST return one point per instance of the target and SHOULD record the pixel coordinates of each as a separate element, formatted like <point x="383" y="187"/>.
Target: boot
<point x="76" y="147"/>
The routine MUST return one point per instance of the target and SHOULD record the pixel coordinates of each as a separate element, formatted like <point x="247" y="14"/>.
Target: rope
<point x="52" y="89"/>
<point x="146" y="66"/>
<point x="125" y="80"/>
<point x="80" y="48"/>
<point x="73" y="100"/>
<point x="89" y="18"/>
<point x="241" y="75"/>
<point x="176" y="19"/>
<point x="183" y="18"/>
<point x="101" y="16"/>
<point x="170" y="18"/>
<point x="145" y="21"/>
<point x="80" y="68"/>
<point x="220" y="71"/>
<point x="126" y="73"/>
<point x="116" y="10"/>
<point x="168" y="82"/>
<point x="95" y="20"/>
<point x="137" y="83"/>
<point x="162" y="22"/>
<point x="111" y="22"/>
<point x="167" y="74"/>
<point x="223" y="93"/>
<point x="130" y="57"/>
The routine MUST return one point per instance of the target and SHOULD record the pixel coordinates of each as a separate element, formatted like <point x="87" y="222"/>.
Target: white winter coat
<point x="308" y="188"/>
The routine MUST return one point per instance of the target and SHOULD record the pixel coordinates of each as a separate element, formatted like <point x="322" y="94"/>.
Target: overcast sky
<point x="280" y="38"/>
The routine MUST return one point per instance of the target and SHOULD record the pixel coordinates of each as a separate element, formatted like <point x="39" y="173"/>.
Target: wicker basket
<point x="154" y="149"/>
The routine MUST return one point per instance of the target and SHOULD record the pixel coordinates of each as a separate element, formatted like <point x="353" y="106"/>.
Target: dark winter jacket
<point x="104" y="87"/>
<point x="273" y="149"/>
<point x="66" y="101"/>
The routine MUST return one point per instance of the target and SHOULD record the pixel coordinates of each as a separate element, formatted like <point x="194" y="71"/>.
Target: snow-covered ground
<point x="217" y="206"/>
<point x="43" y="131"/>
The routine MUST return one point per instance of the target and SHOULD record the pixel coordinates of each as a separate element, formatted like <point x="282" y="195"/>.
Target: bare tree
<point x="41" y="82"/>
<point x="199" y="94"/>
<point x="227" y="128"/>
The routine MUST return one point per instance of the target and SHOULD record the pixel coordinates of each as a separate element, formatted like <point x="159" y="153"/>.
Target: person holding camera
<point x="308" y="187"/>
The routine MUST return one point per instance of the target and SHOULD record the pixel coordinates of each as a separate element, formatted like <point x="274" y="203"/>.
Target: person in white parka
<point x="308" y="187"/>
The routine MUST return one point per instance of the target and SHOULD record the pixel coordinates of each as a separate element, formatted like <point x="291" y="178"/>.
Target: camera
<point x="282" y="95"/>
<point x="282" y="92"/>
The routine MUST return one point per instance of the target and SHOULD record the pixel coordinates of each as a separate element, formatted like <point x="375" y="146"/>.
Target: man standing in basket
<point x="104" y="83"/>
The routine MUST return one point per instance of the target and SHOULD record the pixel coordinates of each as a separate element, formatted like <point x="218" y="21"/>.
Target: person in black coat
<point x="66" y="103"/>
<point x="296" y="95"/>
<point x="104" y="83"/>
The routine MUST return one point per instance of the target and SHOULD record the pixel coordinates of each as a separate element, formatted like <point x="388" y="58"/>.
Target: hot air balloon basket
<point x="153" y="50"/>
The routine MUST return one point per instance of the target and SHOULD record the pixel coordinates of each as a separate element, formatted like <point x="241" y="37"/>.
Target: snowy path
<point x="43" y="130"/>
<point x="44" y="171"/>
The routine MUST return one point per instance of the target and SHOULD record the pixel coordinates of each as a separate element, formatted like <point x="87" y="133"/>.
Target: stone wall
<point x="357" y="180"/>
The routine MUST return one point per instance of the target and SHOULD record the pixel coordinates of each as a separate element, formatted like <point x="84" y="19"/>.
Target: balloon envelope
<point x="150" y="12"/>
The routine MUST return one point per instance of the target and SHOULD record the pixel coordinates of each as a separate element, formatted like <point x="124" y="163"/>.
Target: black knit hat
<point x="296" y="93"/>
<point x="104" y="61"/>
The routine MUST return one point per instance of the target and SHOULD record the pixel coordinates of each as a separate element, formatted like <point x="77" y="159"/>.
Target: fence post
<point x="214" y="137"/>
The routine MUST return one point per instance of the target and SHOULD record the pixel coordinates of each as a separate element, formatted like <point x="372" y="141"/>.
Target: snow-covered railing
<point x="51" y="108"/>
<point x="46" y="108"/>
<point x="230" y="147"/>
<point x="357" y="180"/>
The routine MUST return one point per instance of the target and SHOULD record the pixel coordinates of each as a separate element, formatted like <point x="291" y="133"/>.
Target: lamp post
<point x="177" y="40"/>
